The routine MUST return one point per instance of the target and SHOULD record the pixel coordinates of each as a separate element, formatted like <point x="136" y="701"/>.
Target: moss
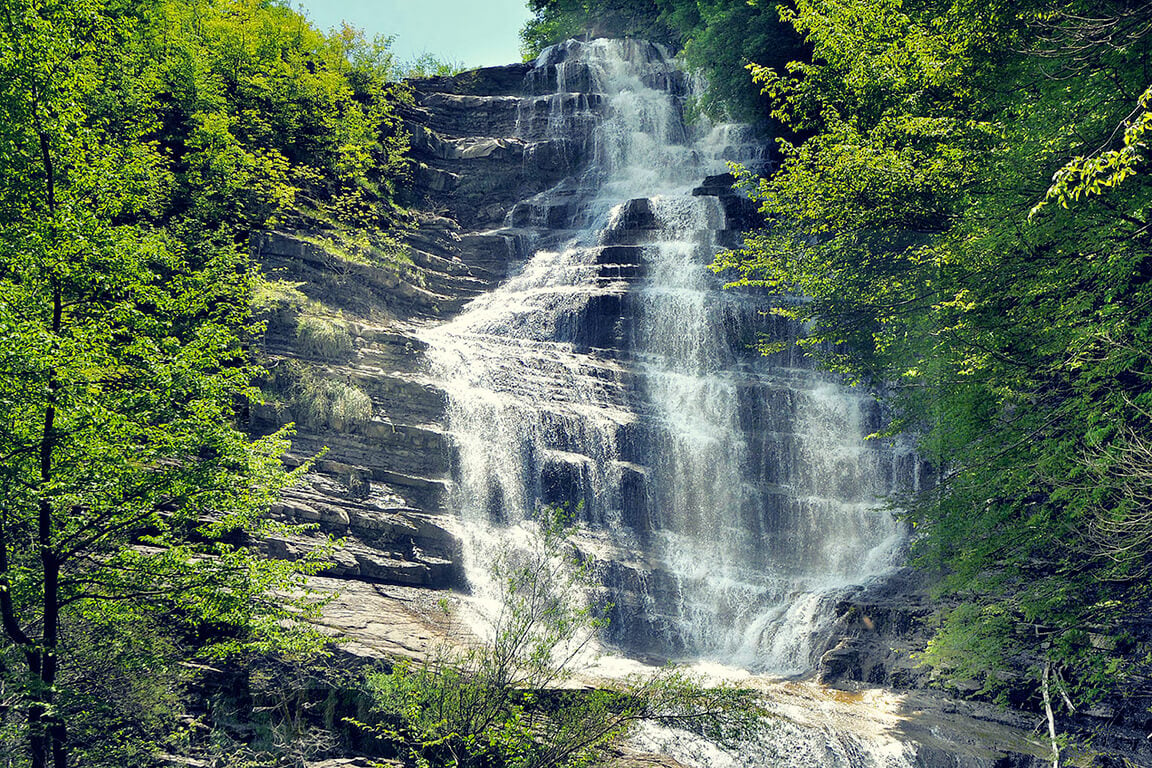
<point x="380" y="250"/>
<point x="269" y="295"/>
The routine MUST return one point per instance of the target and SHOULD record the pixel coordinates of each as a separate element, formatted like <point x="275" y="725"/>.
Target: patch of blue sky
<point x="474" y="33"/>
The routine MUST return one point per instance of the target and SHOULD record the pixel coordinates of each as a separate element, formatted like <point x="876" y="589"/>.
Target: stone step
<point x="466" y="115"/>
<point x="395" y="528"/>
<point x="361" y="562"/>
<point x="620" y="254"/>
<point x="487" y="81"/>
<point x="441" y="262"/>
<point x="648" y="236"/>
<point x="420" y="449"/>
<point x="571" y="115"/>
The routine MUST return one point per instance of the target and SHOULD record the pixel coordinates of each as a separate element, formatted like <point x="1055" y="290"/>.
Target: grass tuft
<point x="324" y="338"/>
<point x="319" y="402"/>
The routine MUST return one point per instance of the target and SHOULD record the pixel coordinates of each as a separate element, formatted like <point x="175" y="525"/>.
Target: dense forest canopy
<point x="142" y="143"/>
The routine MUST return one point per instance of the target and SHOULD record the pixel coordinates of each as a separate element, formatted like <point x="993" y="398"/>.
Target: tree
<point x="128" y="495"/>
<point x="556" y="20"/>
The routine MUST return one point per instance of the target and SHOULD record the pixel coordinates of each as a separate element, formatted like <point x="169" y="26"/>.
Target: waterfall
<point x="728" y="498"/>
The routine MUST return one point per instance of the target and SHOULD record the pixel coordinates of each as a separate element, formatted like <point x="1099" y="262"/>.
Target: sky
<point x="477" y="33"/>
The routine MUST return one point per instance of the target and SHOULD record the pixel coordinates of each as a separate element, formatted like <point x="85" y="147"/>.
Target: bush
<point x="498" y="704"/>
<point x="270" y="295"/>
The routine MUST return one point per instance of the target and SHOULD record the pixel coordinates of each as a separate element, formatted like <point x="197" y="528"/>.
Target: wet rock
<point x="627" y="760"/>
<point x="720" y="184"/>
<point x="877" y="633"/>
<point x="844" y="662"/>
<point x="636" y="214"/>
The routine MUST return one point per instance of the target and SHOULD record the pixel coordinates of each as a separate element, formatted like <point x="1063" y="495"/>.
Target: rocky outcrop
<point x="879" y="633"/>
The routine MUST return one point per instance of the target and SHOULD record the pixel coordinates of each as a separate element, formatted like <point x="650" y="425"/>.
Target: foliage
<point x="274" y="712"/>
<point x="310" y="396"/>
<point x="972" y="645"/>
<point x="430" y="65"/>
<point x="270" y="122"/>
<point x="1085" y="176"/>
<point x="720" y="38"/>
<point x="499" y="704"/>
<point x="272" y="295"/>
<point x="381" y="249"/>
<point x="1012" y="337"/>
<point x="120" y="687"/>
<point x="556" y="20"/>
<point x="143" y="142"/>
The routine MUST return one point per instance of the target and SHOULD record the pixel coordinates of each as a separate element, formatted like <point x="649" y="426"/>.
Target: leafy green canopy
<point x="557" y="20"/>
<point x="266" y="121"/>
<point x="1007" y="321"/>
<point x="142" y="141"/>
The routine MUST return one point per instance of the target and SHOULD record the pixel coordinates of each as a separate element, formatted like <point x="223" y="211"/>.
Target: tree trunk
<point x="37" y="735"/>
<point x="1051" y="716"/>
<point x="53" y="722"/>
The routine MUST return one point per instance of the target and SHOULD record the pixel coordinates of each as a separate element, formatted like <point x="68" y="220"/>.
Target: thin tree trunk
<point x="37" y="737"/>
<point x="50" y="740"/>
<point x="54" y="724"/>
<point x="51" y="609"/>
<point x="58" y="733"/>
<point x="1051" y="716"/>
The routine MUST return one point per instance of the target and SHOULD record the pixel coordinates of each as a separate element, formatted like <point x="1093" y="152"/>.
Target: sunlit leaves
<point x="1086" y="176"/>
<point x="141" y="144"/>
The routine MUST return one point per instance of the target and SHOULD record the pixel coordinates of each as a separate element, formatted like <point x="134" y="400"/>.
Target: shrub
<point x="499" y="704"/>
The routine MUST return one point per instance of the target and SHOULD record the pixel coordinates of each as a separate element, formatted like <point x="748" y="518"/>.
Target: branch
<point x="7" y="610"/>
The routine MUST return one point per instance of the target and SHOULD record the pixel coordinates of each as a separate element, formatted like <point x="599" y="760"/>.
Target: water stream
<point x="727" y="497"/>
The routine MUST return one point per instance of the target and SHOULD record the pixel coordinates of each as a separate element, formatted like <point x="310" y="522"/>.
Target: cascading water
<point x="726" y="495"/>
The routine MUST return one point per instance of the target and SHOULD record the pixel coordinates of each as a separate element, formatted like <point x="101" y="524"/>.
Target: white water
<point x="731" y="497"/>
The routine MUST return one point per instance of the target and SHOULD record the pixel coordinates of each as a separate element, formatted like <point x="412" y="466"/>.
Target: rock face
<point x="875" y="641"/>
<point x="484" y="145"/>
<point x="727" y="495"/>
<point x="877" y="634"/>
